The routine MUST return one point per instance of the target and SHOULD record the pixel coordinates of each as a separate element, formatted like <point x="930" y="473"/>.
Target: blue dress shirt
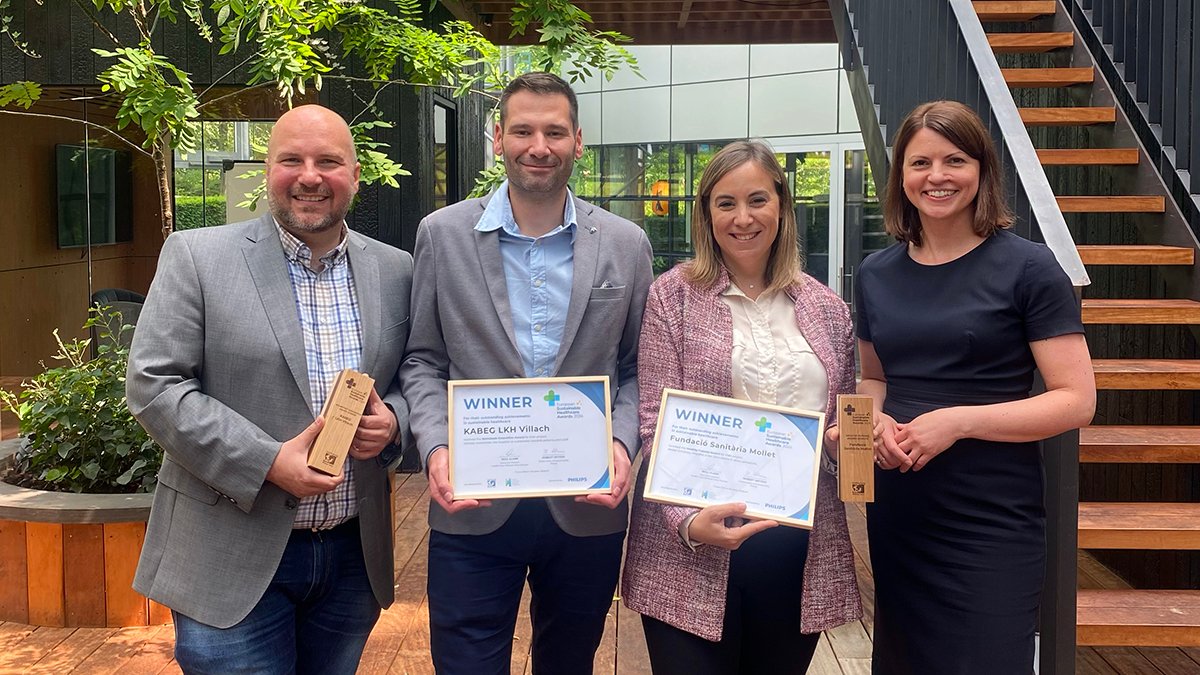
<point x="537" y="272"/>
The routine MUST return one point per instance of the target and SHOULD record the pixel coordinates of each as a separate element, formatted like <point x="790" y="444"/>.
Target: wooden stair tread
<point x="1068" y="116"/>
<point x="1136" y="254"/>
<point x="1138" y="618"/>
<point x="1173" y="526"/>
<point x="1133" y="444"/>
<point x="1140" y="311"/>
<point x="1119" y="204"/>
<point x="1027" y="43"/>
<point x="1087" y="156"/>
<point x="1146" y="373"/>
<point x="1047" y="77"/>
<point x="1013" y="11"/>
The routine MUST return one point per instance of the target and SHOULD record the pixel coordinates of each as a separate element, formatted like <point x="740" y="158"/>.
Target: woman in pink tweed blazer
<point x="797" y="583"/>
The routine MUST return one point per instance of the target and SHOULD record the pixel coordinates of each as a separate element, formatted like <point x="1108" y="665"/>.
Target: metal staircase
<point x="1125" y="223"/>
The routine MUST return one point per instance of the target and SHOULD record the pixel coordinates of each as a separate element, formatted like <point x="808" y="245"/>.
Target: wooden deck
<point x="400" y="642"/>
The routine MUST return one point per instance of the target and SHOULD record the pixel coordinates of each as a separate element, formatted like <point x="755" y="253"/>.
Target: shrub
<point x="192" y="211"/>
<point x="79" y="436"/>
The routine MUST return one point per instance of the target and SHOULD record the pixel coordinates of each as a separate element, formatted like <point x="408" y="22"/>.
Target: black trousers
<point x="761" y="633"/>
<point x="475" y="585"/>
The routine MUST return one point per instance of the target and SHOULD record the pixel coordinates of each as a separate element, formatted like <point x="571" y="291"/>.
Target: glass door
<point x="863" y="233"/>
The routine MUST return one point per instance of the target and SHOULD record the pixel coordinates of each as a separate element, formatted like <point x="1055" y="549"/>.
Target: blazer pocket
<point x="180" y="480"/>
<point x="607" y="293"/>
<point x="395" y="331"/>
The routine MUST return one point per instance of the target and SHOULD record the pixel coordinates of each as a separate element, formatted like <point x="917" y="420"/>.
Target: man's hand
<point x="290" y="469"/>
<point x="439" y="484"/>
<point x="376" y="429"/>
<point x="620" y="480"/>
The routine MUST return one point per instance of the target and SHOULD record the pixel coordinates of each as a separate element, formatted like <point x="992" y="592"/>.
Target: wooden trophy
<point x="342" y="410"/>
<point x="856" y="450"/>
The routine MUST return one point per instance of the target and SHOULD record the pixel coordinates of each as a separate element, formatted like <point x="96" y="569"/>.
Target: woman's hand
<point x="833" y="436"/>
<point x="888" y="454"/>
<point x="708" y="527"/>
<point x="927" y="436"/>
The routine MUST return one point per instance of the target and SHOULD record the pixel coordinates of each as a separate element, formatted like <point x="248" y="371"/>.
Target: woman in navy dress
<point x="952" y="322"/>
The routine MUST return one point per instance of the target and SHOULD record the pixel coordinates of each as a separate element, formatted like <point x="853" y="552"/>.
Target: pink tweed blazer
<point x="687" y="343"/>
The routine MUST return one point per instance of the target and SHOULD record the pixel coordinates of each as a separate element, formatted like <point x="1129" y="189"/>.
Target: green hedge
<point x="193" y="211"/>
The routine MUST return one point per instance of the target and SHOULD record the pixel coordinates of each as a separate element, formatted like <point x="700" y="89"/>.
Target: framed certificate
<point x="712" y="450"/>
<point x="536" y="437"/>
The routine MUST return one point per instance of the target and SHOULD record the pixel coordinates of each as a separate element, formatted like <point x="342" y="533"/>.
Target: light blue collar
<point x="498" y="215"/>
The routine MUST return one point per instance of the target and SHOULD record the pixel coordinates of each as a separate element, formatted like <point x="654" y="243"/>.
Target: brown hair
<point x="544" y="84"/>
<point x="960" y="125"/>
<point x="784" y="264"/>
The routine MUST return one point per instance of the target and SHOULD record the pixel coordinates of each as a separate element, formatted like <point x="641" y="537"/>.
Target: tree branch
<point x="230" y="72"/>
<point x="93" y="125"/>
<point x="89" y="9"/>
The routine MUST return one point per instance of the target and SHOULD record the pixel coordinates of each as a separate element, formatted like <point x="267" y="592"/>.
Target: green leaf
<point x="23" y="94"/>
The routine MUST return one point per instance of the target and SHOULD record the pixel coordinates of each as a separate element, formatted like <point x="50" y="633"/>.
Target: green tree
<point x="295" y="46"/>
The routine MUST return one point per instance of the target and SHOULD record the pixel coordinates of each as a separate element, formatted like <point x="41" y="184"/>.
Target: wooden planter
<point x="68" y="559"/>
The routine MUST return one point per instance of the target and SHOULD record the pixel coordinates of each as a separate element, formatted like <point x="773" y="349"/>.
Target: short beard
<point x="290" y="223"/>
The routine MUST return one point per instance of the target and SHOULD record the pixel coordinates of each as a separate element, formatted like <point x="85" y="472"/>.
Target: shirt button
<point x="539" y="371"/>
<point x="537" y="283"/>
<point x="290" y="503"/>
<point x="537" y="327"/>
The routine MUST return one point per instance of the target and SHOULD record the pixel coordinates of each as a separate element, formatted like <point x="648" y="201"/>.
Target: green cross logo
<point x="551" y="398"/>
<point x="762" y="424"/>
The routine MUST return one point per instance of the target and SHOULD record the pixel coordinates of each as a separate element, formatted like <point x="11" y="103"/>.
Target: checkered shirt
<point x="327" y="306"/>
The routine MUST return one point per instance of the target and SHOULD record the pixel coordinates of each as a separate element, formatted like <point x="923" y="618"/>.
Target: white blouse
<point x="772" y="362"/>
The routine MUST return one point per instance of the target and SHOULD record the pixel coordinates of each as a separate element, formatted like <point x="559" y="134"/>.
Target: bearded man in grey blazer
<point x="267" y="565"/>
<point x="530" y="282"/>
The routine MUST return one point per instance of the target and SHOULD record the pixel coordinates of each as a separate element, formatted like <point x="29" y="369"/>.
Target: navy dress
<point x="958" y="548"/>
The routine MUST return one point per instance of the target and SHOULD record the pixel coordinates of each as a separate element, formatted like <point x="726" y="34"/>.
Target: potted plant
<point x="76" y="490"/>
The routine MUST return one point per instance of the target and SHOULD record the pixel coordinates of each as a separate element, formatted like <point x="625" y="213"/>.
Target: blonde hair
<point x="784" y="262"/>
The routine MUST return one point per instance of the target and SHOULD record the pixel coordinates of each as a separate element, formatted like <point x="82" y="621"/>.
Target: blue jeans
<point x="314" y="617"/>
<point x="475" y="585"/>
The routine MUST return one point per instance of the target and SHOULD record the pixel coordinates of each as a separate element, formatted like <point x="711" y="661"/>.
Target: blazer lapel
<point x="268" y="269"/>
<point x="488" y="246"/>
<point x="365" y="269"/>
<point x="585" y="261"/>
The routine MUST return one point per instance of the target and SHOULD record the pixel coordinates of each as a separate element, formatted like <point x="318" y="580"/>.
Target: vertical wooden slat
<point x="159" y="614"/>
<point x="122" y="546"/>
<point x="1184" y="41"/>
<point x="14" y="596"/>
<point x="1191" y="89"/>
<point x="83" y="563"/>
<point x="1129" y="46"/>
<point x="1155" y="29"/>
<point x="1168" y="84"/>
<point x="43" y="544"/>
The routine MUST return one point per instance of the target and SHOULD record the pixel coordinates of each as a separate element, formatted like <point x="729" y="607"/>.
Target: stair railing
<point x="898" y="55"/>
<point x="1153" y="48"/>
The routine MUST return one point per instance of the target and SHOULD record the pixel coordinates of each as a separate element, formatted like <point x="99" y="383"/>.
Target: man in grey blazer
<point x="529" y="282"/>
<point x="269" y="566"/>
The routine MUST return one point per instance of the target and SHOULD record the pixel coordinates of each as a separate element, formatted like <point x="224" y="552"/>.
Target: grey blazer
<point x="462" y="329"/>
<point x="217" y="376"/>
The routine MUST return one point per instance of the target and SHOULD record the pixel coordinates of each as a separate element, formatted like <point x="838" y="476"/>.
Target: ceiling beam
<point x="683" y="13"/>
<point x="463" y="11"/>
